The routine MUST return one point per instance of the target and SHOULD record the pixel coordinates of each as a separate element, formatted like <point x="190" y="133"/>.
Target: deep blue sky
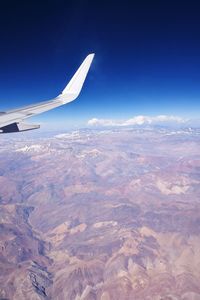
<point x="147" y="57"/>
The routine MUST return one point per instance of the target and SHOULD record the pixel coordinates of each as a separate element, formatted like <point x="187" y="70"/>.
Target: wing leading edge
<point x="12" y="121"/>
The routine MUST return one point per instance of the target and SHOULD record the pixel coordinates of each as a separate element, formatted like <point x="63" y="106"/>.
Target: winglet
<point x="75" y="85"/>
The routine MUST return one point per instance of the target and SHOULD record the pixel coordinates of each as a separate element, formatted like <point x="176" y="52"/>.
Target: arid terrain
<point x="100" y="214"/>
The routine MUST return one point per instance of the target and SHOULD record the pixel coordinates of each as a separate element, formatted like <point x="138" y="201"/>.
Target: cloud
<point x="137" y="120"/>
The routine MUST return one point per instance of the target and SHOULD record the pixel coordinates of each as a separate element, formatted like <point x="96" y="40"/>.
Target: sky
<point x="147" y="58"/>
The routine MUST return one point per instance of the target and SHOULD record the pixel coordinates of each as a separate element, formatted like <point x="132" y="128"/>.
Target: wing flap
<point x="17" y="127"/>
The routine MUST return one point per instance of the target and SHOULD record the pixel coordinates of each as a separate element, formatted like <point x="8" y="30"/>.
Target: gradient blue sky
<point x="147" y="57"/>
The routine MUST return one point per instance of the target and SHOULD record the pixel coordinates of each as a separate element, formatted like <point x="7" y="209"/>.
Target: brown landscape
<point x="100" y="214"/>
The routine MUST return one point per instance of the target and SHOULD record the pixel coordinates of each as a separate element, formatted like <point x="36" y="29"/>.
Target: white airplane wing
<point x="13" y="120"/>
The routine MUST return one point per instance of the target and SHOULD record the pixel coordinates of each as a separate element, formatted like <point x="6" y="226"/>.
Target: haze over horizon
<point x="147" y="59"/>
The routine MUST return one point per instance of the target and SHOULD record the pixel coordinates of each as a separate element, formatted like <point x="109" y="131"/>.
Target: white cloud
<point x="137" y="120"/>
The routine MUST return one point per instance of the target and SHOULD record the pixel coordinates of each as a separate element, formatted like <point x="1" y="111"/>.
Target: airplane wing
<point x="13" y="120"/>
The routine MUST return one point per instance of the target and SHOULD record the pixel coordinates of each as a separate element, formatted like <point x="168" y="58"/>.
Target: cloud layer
<point x="137" y="120"/>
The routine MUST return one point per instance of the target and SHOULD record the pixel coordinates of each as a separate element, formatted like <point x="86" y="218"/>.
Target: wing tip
<point x="75" y="84"/>
<point x="91" y="55"/>
<point x="89" y="58"/>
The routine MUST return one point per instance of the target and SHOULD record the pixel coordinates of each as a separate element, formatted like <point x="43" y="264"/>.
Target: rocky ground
<point x="106" y="215"/>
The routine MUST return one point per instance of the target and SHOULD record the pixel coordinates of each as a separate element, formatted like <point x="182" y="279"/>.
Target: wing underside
<point x="13" y="120"/>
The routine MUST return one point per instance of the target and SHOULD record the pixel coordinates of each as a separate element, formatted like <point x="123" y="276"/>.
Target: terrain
<point x="100" y="214"/>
